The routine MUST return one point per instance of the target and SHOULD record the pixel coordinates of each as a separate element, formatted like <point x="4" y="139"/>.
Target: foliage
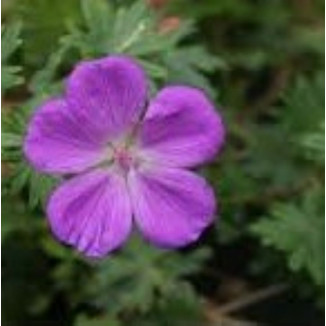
<point x="298" y="230"/>
<point x="44" y="23"/>
<point x="297" y="226"/>
<point x="314" y="145"/>
<point x="10" y="42"/>
<point x="130" y="281"/>
<point x="261" y="62"/>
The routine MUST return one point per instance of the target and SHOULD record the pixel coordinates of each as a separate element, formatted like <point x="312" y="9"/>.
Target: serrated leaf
<point x="45" y="21"/>
<point x="314" y="145"/>
<point x="10" y="40"/>
<point x="198" y="57"/>
<point x="99" y="19"/>
<point x="304" y="105"/>
<point x="182" y="309"/>
<point x="10" y="77"/>
<point x="15" y="218"/>
<point x="130" y="24"/>
<point x="40" y="187"/>
<point x="10" y="140"/>
<point x="97" y="14"/>
<point x="154" y="70"/>
<point x="132" y="279"/>
<point x="298" y="231"/>
<point x="43" y="79"/>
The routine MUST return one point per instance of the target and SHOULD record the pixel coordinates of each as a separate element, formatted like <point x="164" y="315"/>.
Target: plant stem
<point x="252" y="298"/>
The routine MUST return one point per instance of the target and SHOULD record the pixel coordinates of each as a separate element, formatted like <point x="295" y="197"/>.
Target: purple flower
<point x="129" y="159"/>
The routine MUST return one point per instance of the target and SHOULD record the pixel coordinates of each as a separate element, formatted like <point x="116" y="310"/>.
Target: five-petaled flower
<point x="125" y="159"/>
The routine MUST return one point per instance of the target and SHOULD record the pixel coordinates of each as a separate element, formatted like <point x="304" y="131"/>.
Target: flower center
<point x="123" y="158"/>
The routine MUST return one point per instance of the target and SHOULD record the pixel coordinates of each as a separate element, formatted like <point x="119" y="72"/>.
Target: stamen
<point x="123" y="158"/>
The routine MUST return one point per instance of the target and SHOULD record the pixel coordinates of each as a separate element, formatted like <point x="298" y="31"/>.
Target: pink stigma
<point x="123" y="158"/>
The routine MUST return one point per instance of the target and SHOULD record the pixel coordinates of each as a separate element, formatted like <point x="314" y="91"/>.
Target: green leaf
<point x="39" y="186"/>
<point x="314" y="145"/>
<point x="16" y="218"/>
<point x="104" y="320"/>
<point x="133" y="278"/>
<point x="10" y="42"/>
<point x="42" y="81"/>
<point x="10" y="140"/>
<point x="298" y="231"/>
<point x="99" y="19"/>
<point x="304" y="105"/>
<point x="10" y="77"/>
<point x="97" y="14"/>
<point x="182" y="309"/>
<point x="188" y="64"/>
<point x="130" y="25"/>
<point x="198" y="57"/>
<point x="45" y="22"/>
<point x="154" y="70"/>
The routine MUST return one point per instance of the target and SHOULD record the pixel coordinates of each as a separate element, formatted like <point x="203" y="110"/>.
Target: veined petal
<point x="58" y="141"/>
<point x="110" y="92"/>
<point x="181" y="128"/>
<point x="172" y="206"/>
<point x="92" y="212"/>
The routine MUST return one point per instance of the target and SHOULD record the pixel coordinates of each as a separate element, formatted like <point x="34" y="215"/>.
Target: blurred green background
<point x="262" y="263"/>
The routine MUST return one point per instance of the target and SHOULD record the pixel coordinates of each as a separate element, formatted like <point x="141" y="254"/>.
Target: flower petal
<point x="111" y="92"/>
<point x="172" y="206"/>
<point x="91" y="212"/>
<point x="58" y="141"/>
<point x="181" y="128"/>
